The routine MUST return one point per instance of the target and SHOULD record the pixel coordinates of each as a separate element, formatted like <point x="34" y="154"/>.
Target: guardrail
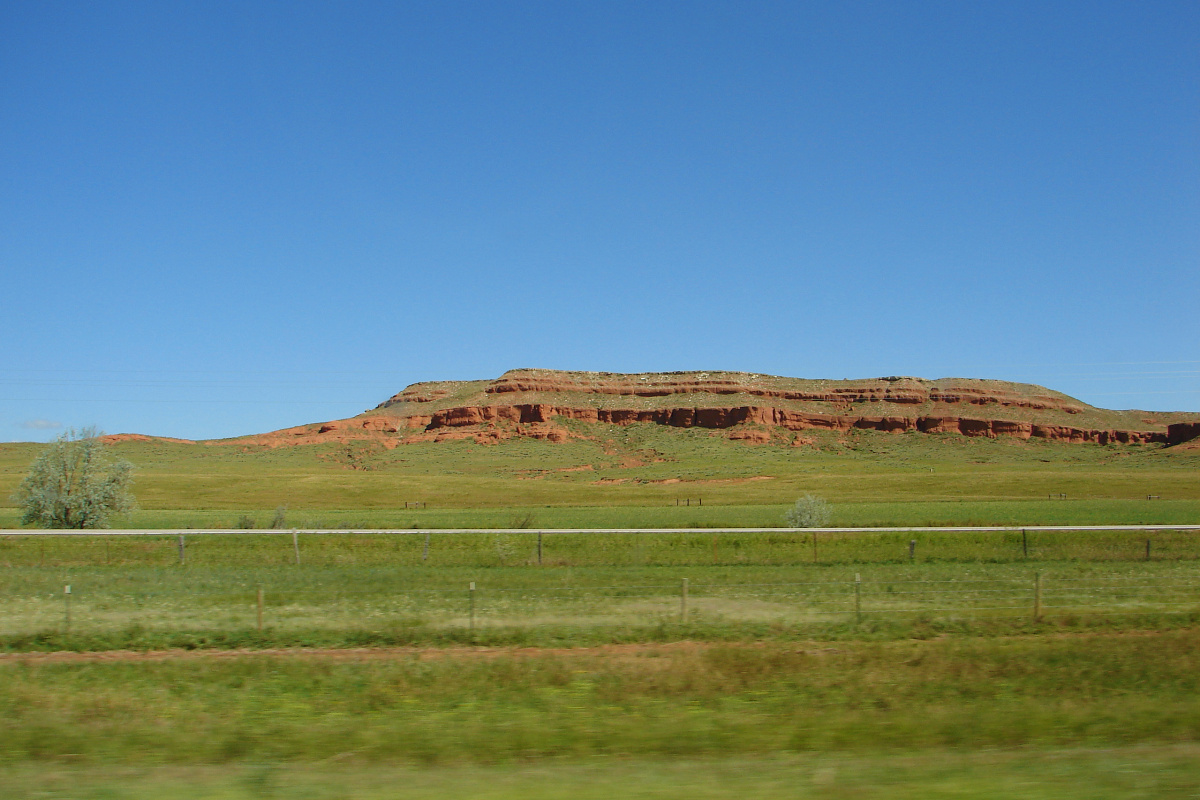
<point x="706" y="530"/>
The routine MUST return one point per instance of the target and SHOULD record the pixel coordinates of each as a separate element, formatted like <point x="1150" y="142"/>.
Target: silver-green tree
<point x="73" y="484"/>
<point x="809" y="511"/>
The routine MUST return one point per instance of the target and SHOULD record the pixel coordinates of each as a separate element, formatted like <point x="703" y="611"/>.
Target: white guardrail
<point x="715" y="530"/>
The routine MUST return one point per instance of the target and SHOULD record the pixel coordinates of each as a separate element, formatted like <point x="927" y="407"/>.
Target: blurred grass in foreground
<point x="1118" y="773"/>
<point x="680" y="700"/>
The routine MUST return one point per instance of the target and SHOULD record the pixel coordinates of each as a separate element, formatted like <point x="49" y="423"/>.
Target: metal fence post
<point x="857" y="597"/>
<point x="1025" y="542"/>
<point x="912" y="549"/>
<point x="683" y="601"/>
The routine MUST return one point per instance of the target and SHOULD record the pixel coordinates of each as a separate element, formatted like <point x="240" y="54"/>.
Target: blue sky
<point x="226" y="218"/>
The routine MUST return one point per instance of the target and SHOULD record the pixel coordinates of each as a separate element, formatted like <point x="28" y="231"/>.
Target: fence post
<point x="714" y="548"/>
<point x="260" y="608"/>
<point x="181" y="560"/>
<point x="1147" y="548"/>
<point x="425" y="554"/>
<point x="296" y="545"/>
<point x="1025" y="542"/>
<point x="683" y="598"/>
<point x="1037" y="596"/>
<point x="67" y="608"/>
<point x="814" y="538"/>
<point x="539" y="548"/>
<point x="471" y="603"/>
<point x="912" y="549"/>
<point x="857" y="597"/>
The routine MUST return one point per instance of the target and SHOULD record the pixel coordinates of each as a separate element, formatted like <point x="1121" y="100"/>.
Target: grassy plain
<point x="635" y="476"/>
<point x="357" y="589"/>
<point x="580" y="677"/>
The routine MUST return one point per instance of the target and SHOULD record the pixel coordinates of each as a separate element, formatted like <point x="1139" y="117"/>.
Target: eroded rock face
<point x="913" y="391"/>
<point x="729" y="417"/>
<point x="755" y="409"/>
<point x="1181" y="432"/>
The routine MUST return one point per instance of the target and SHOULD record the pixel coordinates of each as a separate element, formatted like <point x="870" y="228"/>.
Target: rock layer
<point x="721" y="418"/>
<point x="747" y="407"/>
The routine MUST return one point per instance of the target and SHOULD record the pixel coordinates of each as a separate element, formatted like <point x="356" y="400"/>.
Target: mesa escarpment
<point x="546" y="404"/>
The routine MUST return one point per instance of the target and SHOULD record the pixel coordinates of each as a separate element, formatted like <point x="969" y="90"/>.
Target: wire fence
<point x="102" y="608"/>
<point x="624" y="547"/>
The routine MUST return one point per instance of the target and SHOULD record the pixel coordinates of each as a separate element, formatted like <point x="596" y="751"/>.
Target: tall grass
<point x="675" y="701"/>
<point x="1139" y="772"/>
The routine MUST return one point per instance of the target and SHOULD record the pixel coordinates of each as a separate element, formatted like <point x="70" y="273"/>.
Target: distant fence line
<point x="474" y="604"/>
<point x="536" y="530"/>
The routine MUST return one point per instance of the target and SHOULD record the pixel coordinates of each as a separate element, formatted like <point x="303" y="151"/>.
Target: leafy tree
<point x="809" y="511"/>
<point x="73" y="484"/>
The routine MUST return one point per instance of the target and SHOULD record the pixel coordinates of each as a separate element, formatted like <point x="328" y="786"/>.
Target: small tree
<point x="809" y="511"/>
<point x="72" y="484"/>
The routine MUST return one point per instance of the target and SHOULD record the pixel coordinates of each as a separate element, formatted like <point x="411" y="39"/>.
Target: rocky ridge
<point x="747" y="407"/>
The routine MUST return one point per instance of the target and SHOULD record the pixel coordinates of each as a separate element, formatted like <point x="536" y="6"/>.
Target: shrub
<point x="73" y="485"/>
<point x="809" y="511"/>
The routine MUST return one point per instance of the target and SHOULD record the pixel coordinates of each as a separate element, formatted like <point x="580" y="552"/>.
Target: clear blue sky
<point x="226" y="218"/>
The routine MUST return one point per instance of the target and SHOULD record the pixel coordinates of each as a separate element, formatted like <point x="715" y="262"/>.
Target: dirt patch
<point x="363" y="653"/>
<point x="637" y="651"/>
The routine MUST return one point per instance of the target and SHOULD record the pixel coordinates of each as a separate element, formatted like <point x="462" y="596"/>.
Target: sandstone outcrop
<point x="720" y="418"/>
<point x="755" y="409"/>
<point x="1181" y="432"/>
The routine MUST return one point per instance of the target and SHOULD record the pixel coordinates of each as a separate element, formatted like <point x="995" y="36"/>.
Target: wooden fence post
<point x="471" y="602"/>
<point x="1037" y="596"/>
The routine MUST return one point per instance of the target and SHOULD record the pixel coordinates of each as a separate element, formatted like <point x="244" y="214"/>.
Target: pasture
<point x="649" y="476"/>
<point x="699" y="663"/>
<point x="355" y="588"/>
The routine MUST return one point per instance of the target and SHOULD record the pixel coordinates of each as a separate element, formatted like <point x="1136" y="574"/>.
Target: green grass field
<point x="377" y="673"/>
<point x="1139" y="772"/>
<point x="1086" y="715"/>
<point x="642" y="476"/>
